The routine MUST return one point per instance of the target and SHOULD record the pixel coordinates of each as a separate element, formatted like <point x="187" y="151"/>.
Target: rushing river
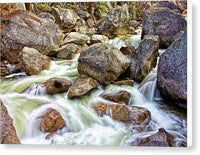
<point x="26" y="100"/>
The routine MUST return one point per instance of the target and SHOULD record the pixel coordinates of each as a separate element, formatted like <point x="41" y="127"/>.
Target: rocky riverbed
<point x="77" y="77"/>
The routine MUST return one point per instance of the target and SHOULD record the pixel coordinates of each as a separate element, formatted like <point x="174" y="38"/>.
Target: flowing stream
<point x="26" y="100"/>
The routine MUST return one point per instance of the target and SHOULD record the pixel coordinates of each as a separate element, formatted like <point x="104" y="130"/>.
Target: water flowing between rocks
<point x="26" y="100"/>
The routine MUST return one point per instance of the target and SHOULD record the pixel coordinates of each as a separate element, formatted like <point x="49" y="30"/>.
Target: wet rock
<point x="103" y="62"/>
<point x="124" y="82"/>
<point x="67" y="52"/>
<point x="76" y="38"/>
<point x="115" y="22"/>
<point x="124" y="113"/>
<point x="147" y="54"/>
<point x="46" y="15"/>
<point x="119" y="97"/>
<point x="66" y="18"/>
<point x="127" y="50"/>
<point x="33" y="62"/>
<point x="161" y="138"/>
<point x="57" y="85"/>
<point x="21" y="29"/>
<point x="165" y="23"/>
<point x="172" y="70"/>
<point x="51" y="121"/>
<point x="8" y="133"/>
<point x="81" y="86"/>
<point x="97" y="38"/>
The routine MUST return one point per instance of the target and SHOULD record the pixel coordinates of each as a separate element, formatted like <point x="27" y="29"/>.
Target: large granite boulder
<point x="103" y="62"/>
<point x="161" y="138"/>
<point x="147" y="54"/>
<point x="51" y="121"/>
<point x="115" y="22"/>
<point x="163" y="22"/>
<point x="66" y="18"/>
<point x="124" y="113"/>
<point x="81" y="86"/>
<point x="8" y="133"/>
<point x="172" y="70"/>
<point x="21" y="29"/>
<point x="32" y="62"/>
<point x="121" y="96"/>
<point x="57" y="85"/>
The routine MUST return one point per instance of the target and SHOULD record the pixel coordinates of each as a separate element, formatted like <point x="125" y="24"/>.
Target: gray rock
<point x="66" y="18"/>
<point x="23" y="28"/>
<point x="46" y="15"/>
<point x="165" y="23"/>
<point x="172" y="70"/>
<point x="103" y="62"/>
<point x="115" y="22"/>
<point x="146" y="60"/>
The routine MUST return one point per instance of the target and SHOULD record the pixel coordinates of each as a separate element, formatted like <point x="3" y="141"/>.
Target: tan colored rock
<point x="81" y="86"/>
<point x="124" y="82"/>
<point x="57" y="85"/>
<point x="124" y="113"/>
<point x="51" y="121"/>
<point x="33" y="62"/>
<point x="119" y="97"/>
<point x="8" y="133"/>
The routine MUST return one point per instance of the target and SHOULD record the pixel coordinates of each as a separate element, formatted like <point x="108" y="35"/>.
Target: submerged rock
<point x="119" y="97"/>
<point x="8" y="133"/>
<point x="51" y="121"/>
<point x="21" y="29"/>
<point x="57" y="85"/>
<point x="165" y="23"/>
<point x="115" y="22"/>
<point x="124" y="113"/>
<point x="103" y="62"/>
<point x="81" y="86"/>
<point x="161" y="138"/>
<point x="66" y="18"/>
<point x="32" y="62"/>
<point x="147" y="54"/>
<point x="172" y="70"/>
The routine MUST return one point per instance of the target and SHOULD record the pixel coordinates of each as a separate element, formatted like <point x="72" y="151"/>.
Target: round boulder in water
<point x="57" y="85"/>
<point x="51" y="121"/>
<point x="119" y="97"/>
